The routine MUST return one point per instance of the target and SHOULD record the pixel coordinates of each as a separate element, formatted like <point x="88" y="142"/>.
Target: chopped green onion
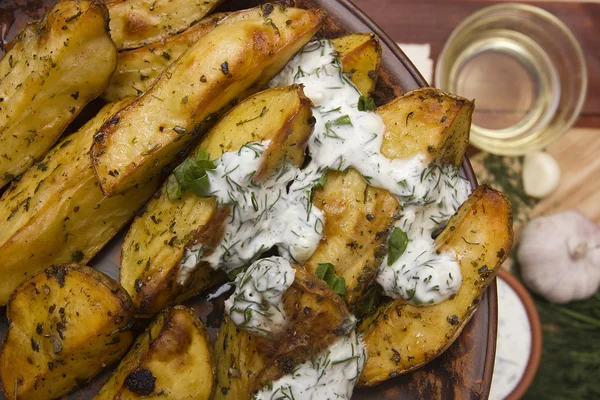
<point x="343" y="120"/>
<point x="396" y="245"/>
<point x="173" y="188"/>
<point x="322" y="181"/>
<point x="366" y="104"/>
<point x="327" y="273"/>
<point x="191" y="175"/>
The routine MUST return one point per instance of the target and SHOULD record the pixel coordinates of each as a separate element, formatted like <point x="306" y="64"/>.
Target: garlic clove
<point x="541" y="174"/>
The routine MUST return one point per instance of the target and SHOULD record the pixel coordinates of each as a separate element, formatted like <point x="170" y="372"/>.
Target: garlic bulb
<point x="560" y="256"/>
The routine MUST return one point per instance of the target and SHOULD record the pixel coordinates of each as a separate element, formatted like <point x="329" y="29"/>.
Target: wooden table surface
<point x="578" y="152"/>
<point x="432" y="21"/>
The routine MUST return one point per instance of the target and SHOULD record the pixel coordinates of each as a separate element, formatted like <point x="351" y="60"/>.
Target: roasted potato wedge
<point x="357" y="216"/>
<point x="360" y="56"/>
<point x="57" y="214"/>
<point x="65" y="324"/>
<point x="156" y="242"/>
<point x="357" y="220"/>
<point x="56" y="66"/>
<point x="138" y="68"/>
<point x="172" y="359"/>
<point x="427" y="121"/>
<point x="245" y="362"/>
<point x="135" y="23"/>
<point x="401" y="337"/>
<point x="230" y="61"/>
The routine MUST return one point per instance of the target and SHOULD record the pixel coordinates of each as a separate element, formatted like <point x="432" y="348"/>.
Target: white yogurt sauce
<point x="256" y="304"/>
<point x="263" y="214"/>
<point x="267" y="214"/>
<point x="346" y="137"/>
<point x="513" y="344"/>
<point x="332" y="375"/>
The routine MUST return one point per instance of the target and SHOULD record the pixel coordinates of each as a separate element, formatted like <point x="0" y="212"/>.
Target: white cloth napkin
<point x="419" y="55"/>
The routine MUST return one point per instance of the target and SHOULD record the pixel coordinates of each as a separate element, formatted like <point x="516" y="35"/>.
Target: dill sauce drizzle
<point x="345" y="137"/>
<point x="279" y="213"/>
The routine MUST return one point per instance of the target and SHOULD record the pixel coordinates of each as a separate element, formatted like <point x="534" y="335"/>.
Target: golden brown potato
<point x="316" y="316"/>
<point x="57" y="214"/>
<point x="138" y="68"/>
<point x="401" y="337"/>
<point x="172" y="359"/>
<point x="230" y="61"/>
<point x="357" y="216"/>
<point x="427" y="121"/>
<point x="56" y="66"/>
<point x="360" y="56"/>
<point x="156" y="242"/>
<point x="135" y="23"/>
<point x="65" y="324"/>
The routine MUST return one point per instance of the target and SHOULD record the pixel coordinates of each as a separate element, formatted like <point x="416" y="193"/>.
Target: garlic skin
<point x="560" y="256"/>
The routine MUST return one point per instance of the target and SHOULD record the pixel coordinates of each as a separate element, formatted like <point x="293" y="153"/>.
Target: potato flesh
<point x="230" y="61"/>
<point x="316" y="318"/>
<point x="59" y="198"/>
<point x="135" y="23"/>
<point x="156" y="242"/>
<point x="65" y="325"/>
<point x="401" y="337"/>
<point x="55" y="68"/>
<point x="177" y="351"/>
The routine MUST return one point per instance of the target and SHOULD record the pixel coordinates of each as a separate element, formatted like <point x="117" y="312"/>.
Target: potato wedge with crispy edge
<point x="316" y="315"/>
<point x="401" y="337"/>
<point x="135" y="23"/>
<point x="427" y="121"/>
<point x="138" y="68"/>
<point x="172" y="359"/>
<point x="156" y="242"/>
<point x="56" y="67"/>
<point x="65" y="324"/>
<point x="57" y="213"/>
<point x="358" y="217"/>
<point x="231" y="61"/>
<point x="360" y="56"/>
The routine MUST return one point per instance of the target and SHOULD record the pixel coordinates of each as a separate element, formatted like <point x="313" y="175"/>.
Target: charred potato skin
<point x="401" y="337"/>
<point x="173" y="355"/>
<point x="245" y="362"/>
<point x="229" y="62"/>
<point x="56" y="213"/>
<point x="157" y="240"/>
<point x="65" y="324"/>
<point x="135" y="23"/>
<point x="55" y="67"/>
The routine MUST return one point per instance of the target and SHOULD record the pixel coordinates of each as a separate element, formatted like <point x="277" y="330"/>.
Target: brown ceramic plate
<point x="464" y="371"/>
